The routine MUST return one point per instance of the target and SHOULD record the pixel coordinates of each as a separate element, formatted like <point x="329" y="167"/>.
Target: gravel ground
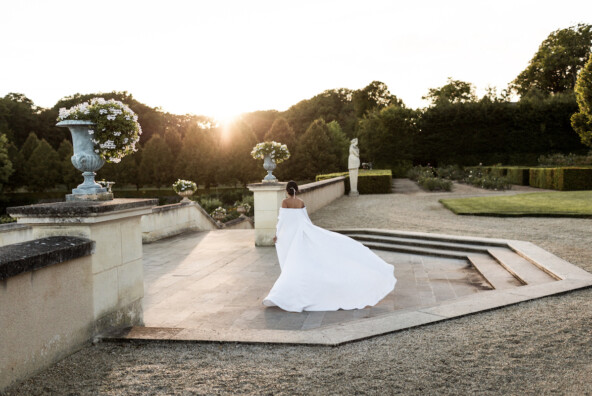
<point x="540" y="347"/>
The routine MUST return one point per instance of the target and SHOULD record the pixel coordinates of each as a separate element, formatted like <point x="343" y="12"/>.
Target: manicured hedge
<point x="564" y="179"/>
<point x="369" y="181"/>
<point x="519" y="175"/>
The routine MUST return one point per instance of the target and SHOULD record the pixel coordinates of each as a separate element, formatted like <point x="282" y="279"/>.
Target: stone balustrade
<point x="268" y="199"/>
<point x="46" y="303"/>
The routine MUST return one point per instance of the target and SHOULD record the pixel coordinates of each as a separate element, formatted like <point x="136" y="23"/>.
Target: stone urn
<point x="86" y="160"/>
<point x="241" y="209"/>
<point x="269" y="165"/>
<point x="186" y="194"/>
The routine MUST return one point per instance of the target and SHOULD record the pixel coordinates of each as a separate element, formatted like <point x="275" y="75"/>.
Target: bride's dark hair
<point x="292" y="188"/>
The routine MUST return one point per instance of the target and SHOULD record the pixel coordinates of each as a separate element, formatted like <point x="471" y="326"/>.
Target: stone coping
<point x="23" y="257"/>
<point x="80" y="209"/>
<point x="10" y="227"/>
<point x="305" y="188"/>
<point x="166" y="208"/>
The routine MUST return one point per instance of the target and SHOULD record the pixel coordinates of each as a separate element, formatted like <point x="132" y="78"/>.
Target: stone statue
<point x="353" y="165"/>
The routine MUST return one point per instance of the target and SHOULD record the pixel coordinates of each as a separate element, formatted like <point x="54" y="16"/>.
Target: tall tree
<point x="314" y="154"/>
<point x="198" y="159"/>
<point x="454" y="91"/>
<point x="282" y="132"/>
<point x="157" y="163"/>
<point x="375" y="95"/>
<point x="386" y="136"/>
<point x="6" y="168"/>
<point x="339" y="144"/>
<point x="18" y="177"/>
<point x="237" y="142"/>
<point x="582" y="120"/>
<point x="43" y="167"/>
<point x="70" y="176"/>
<point x="554" y="67"/>
<point x="29" y="146"/>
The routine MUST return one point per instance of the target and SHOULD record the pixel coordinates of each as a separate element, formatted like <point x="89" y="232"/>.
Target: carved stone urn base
<point x="103" y="196"/>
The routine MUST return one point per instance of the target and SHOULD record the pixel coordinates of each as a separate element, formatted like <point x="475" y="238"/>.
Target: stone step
<point x="425" y="237"/>
<point x="459" y="247"/>
<point x="495" y="274"/>
<point x="522" y="269"/>
<point x="392" y="247"/>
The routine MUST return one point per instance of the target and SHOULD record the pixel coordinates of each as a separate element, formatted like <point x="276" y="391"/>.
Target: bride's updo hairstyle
<point x="292" y="188"/>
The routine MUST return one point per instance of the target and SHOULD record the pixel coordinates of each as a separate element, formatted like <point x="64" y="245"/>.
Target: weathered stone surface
<point x="78" y="209"/>
<point x="27" y="256"/>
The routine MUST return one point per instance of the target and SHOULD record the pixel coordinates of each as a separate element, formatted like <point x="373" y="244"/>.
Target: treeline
<point x="457" y="128"/>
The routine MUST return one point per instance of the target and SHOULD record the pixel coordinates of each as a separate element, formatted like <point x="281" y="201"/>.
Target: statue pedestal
<point x="268" y="199"/>
<point x="353" y="182"/>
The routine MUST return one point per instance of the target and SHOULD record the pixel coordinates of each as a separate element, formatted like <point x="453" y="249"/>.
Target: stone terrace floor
<point x="208" y="286"/>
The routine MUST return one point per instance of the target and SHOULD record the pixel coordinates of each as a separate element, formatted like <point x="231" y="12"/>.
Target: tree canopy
<point x="554" y="67"/>
<point x="455" y="91"/>
<point x="582" y="120"/>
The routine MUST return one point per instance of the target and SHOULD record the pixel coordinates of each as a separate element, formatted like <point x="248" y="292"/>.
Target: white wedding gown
<point x="324" y="270"/>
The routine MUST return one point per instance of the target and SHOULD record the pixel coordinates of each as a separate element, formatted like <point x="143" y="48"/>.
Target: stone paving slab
<point x="209" y="286"/>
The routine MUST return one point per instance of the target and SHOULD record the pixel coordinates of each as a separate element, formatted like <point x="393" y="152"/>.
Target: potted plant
<point x="102" y="131"/>
<point x="242" y="208"/>
<point x="185" y="188"/>
<point x="272" y="153"/>
<point x="219" y="213"/>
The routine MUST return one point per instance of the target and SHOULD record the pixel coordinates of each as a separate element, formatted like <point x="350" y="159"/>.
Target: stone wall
<point x="46" y="304"/>
<point x="318" y="194"/>
<point x="169" y="220"/>
<point x="15" y="233"/>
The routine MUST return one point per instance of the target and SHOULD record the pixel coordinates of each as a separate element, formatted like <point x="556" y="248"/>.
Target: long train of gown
<point x="323" y="270"/>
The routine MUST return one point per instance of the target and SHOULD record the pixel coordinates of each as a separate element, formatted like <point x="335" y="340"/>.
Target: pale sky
<point x="221" y="58"/>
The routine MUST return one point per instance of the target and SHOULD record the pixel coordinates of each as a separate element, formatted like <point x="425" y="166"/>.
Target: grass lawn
<point x="549" y="204"/>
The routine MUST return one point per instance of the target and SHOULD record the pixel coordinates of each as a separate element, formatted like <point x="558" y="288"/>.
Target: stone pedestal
<point x="268" y="199"/>
<point x="353" y="182"/>
<point x="117" y="273"/>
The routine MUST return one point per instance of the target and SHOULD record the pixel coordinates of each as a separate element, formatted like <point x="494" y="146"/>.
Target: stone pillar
<point x="117" y="272"/>
<point x="268" y="199"/>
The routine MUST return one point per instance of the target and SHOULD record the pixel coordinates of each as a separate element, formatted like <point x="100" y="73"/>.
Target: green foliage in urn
<point x="184" y="185"/>
<point x="116" y="130"/>
<point x="582" y="120"/>
<point x="277" y="151"/>
<point x="218" y="212"/>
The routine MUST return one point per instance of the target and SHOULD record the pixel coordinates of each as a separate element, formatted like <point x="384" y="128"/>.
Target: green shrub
<point x="431" y="183"/>
<point x="420" y="171"/>
<point x="209" y="204"/>
<point x="451" y="172"/>
<point x="565" y="160"/>
<point x="515" y="174"/>
<point x="7" y="219"/>
<point x="401" y="168"/>
<point x="376" y="181"/>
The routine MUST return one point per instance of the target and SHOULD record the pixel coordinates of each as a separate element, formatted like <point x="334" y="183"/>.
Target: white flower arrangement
<point x="184" y="185"/>
<point x="219" y="212"/>
<point x="277" y="151"/>
<point x="243" y="205"/>
<point x="116" y="129"/>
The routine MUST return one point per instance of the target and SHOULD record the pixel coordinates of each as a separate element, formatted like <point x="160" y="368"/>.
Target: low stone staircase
<point x="502" y="266"/>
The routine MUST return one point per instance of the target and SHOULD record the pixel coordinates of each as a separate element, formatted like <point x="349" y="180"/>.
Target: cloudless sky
<point x="221" y="58"/>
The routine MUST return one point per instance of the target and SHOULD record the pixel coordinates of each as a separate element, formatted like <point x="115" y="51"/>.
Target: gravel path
<point x="540" y="347"/>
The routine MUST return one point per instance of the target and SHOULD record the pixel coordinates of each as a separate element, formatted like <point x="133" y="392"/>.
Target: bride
<point x="323" y="270"/>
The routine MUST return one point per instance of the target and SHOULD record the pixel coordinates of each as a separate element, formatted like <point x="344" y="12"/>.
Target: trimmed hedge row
<point x="563" y="179"/>
<point x="559" y="178"/>
<point x="519" y="175"/>
<point x="369" y="182"/>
